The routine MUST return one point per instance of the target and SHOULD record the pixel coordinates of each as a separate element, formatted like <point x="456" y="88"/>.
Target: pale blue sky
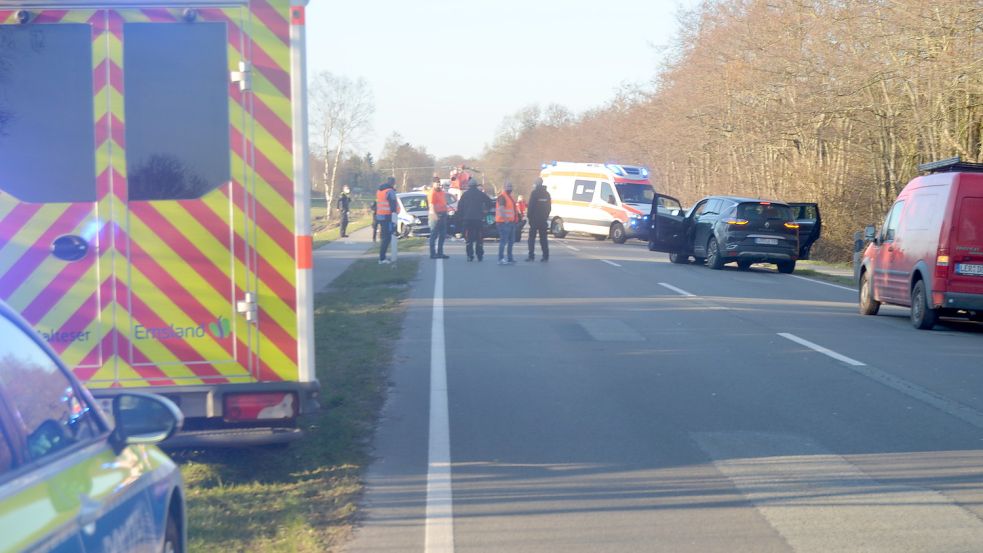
<point x="445" y="73"/>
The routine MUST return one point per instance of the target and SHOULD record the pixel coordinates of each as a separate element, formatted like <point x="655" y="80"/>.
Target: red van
<point x="929" y="253"/>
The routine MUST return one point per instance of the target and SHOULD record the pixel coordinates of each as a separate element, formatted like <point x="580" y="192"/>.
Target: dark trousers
<point x="437" y="235"/>
<point x="344" y="223"/>
<point x="475" y="242"/>
<point x="375" y="228"/>
<point x="540" y="228"/>
<point x="385" y="227"/>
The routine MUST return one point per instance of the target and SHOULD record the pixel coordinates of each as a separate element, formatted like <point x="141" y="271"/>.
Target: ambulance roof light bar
<point x="950" y="165"/>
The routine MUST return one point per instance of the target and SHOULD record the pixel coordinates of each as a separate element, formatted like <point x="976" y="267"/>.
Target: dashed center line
<point x="679" y="291"/>
<point x="914" y="391"/>
<point x="612" y="263"/>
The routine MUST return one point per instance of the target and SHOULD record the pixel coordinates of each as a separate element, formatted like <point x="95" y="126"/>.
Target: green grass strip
<point x="302" y="498"/>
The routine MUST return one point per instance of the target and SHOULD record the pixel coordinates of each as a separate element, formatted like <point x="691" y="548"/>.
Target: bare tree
<point x="341" y="114"/>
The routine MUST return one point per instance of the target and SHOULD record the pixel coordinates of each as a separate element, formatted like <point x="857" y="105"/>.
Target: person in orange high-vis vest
<point x="438" y="220"/>
<point x="506" y="218"/>
<point x="385" y="206"/>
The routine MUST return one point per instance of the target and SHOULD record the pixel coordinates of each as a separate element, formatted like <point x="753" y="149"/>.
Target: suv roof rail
<point x="950" y="165"/>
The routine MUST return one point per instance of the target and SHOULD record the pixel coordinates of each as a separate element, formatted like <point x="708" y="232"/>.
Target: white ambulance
<point x="600" y="199"/>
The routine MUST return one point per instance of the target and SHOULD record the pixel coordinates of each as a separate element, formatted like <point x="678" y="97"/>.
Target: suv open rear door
<point x="667" y="230"/>
<point x="810" y="225"/>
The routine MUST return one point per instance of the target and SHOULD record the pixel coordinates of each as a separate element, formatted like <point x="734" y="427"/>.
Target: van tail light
<point x="260" y="406"/>
<point x="942" y="263"/>
<point x="735" y="221"/>
<point x="791" y="226"/>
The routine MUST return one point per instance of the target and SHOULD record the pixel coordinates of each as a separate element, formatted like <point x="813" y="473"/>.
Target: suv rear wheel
<point x="868" y="305"/>
<point x="676" y="257"/>
<point x="714" y="261"/>
<point x="786" y="267"/>
<point x="923" y="317"/>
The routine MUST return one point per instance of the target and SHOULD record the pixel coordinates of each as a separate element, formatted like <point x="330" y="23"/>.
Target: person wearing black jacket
<point x="540" y="205"/>
<point x="471" y="211"/>
<point x="344" y="204"/>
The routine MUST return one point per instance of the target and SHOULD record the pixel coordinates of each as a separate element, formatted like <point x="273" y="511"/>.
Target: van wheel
<point x="786" y="267"/>
<point x="714" y="261"/>
<point x="652" y="246"/>
<point x="923" y="317"/>
<point x="676" y="257"/>
<point x="556" y="227"/>
<point x="868" y="305"/>
<point x="172" y="537"/>
<point x="618" y="233"/>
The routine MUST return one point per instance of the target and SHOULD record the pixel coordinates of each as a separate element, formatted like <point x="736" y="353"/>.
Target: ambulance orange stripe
<point x="61" y="284"/>
<point x="39" y="251"/>
<point x="220" y="230"/>
<point x="262" y="61"/>
<point x="159" y="15"/>
<point x="83" y="315"/>
<point x="15" y="220"/>
<point x="167" y="233"/>
<point x="280" y="234"/>
<point x="275" y="21"/>
<point x="284" y="342"/>
<point x="278" y="181"/>
<point x="184" y="300"/>
<point x="181" y="349"/>
<point x="50" y="16"/>
<point x="272" y="123"/>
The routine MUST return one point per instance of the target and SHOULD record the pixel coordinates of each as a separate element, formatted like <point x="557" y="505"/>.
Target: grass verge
<point x="826" y="277"/>
<point x="332" y="231"/>
<point x="302" y="498"/>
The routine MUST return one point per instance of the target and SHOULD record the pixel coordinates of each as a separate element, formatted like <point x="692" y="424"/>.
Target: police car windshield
<point x="636" y="193"/>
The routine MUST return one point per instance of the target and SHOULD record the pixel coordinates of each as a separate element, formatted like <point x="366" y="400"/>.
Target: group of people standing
<point x="472" y="208"/>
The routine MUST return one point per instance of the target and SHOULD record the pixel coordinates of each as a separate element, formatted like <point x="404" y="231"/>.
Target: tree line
<point x="834" y="102"/>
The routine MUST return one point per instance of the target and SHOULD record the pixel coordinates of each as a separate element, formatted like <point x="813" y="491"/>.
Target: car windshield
<point x="764" y="211"/>
<point x="636" y="193"/>
<point x="415" y="203"/>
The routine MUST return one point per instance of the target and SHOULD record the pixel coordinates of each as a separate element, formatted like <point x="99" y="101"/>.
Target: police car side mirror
<point x="143" y="419"/>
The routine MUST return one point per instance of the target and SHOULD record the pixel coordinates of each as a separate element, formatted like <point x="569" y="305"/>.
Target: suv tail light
<point x="942" y="263"/>
<point x="791" y="226"/>
<point x="735" y="221"/>
<point x="260" y="406"/>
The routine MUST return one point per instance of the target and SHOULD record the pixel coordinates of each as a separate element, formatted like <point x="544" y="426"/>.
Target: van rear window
<point x="971" y="222"/>
<point x="47" y="132"/>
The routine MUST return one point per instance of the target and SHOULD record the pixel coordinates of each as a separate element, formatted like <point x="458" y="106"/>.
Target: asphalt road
<point x="611" y="401"/>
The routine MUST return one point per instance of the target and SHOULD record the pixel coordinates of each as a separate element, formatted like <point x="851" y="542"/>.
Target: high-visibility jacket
<point x="382" y="207"/>
<point x="505" y="210"/>
<point x="438" y="201"/>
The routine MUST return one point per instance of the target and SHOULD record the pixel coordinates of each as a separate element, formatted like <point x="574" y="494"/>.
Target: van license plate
<point x="766" y="241"/>
<point x="969" y="269"/>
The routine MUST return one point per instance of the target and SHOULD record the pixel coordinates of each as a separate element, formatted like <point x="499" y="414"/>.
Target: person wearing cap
<point x="540" y="205"/>
<point x="506" y="217"/>
<point x="471" y="210"/>
<point x="344" y="205"/>
<point x="438" y="220"/>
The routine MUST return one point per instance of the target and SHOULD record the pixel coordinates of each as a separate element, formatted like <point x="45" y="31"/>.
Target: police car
<point x="72" y="478"/>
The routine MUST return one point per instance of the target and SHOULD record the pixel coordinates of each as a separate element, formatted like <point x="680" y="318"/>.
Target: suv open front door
<point x="810" y="225"/>
<point x="667" y="232"/>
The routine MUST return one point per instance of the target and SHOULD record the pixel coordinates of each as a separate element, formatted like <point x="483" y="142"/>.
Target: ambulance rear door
<point x="187" y="273"/>
<point x="55" y="179"/>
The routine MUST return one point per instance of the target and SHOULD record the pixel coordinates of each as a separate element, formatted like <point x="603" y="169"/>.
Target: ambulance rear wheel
<point x="618" y="233"/>
<point x="556" y="227"/>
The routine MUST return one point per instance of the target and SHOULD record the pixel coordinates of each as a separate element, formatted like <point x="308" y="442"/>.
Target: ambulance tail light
<point x="256" y="406"/>
<point x="942" y="263"/>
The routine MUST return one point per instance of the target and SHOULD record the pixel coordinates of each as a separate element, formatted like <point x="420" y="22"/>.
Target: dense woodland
<point x="797" y="100"/>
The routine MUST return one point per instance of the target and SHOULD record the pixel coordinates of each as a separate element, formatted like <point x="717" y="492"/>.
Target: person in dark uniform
<point x="344" y="203"/>
<point x="471" y="211"/>
<point x="540" y="205"/>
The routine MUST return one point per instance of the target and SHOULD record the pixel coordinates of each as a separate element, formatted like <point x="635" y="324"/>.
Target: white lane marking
<point x="677" y="290"/>
<point x="612" y="263"/>
<point x="914" y="391"/>
<point x="820" y="349"/>
<point x="440" y="501"/>
<point x="848" y="289"/>
<point x="571" y="247"/>
<point x="819" y="501"/>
